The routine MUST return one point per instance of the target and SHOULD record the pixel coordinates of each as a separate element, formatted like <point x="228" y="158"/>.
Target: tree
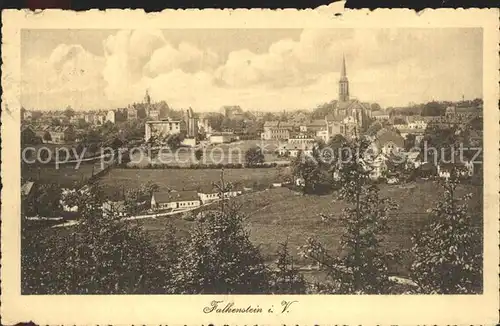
<point x="100" y="255"/>
<point x="254" y="156"/>
<point x="174" y="141"/>
<point x="448" y="248"/>
<point x="306" y="168"/>
<point x="47" y="202"/>
<point x="198" y="154"/>
<point x="362" y="266"/>
<point x="410" y="141"/>
<point x="69" y="112"/>
<point x="219" y="256"/>
<point x="47" y="137"/>
<point x="286" y="278"/>
<point x="374" y="128"/>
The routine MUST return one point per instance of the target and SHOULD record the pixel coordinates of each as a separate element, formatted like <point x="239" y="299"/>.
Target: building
<point x="154" y="114"/>
<point x="191" y="122"/>
<point x="114" y="208"/>
<point x="299" y="138"/>
<point x="277" y="130"/>
<point x="417" y="132"/>
<point x="26" y="115"/>
<point x="209" y="194"/>
<point x="380" y="115"/>
<point x="132" y="113"/>
<point x="351" y="115"/>
<point x="463" y="112"/>
<point x="175" y="200"/>
<point x="293" y="150"/>
<point x="111" y="116"/>
<point x="56" y="135"/>
<point x="204" y="126"/>
<point x="222" y="137"/>
<point x="161" y="128"/>
<point x="388" y="142"/>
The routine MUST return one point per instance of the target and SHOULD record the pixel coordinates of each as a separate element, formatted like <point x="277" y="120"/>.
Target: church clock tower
<point x="343" y="84"/>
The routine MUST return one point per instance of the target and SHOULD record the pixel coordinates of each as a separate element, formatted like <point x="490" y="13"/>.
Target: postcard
<point x="250" y="167"/>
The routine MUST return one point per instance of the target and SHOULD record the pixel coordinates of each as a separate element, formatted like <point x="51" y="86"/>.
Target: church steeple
<point x="343" y="83"/>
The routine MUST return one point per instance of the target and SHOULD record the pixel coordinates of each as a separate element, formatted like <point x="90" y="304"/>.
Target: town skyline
<point x="271" y="70"/>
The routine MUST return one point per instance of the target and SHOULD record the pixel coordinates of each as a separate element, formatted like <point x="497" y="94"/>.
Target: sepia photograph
<point x="252" y="161"/>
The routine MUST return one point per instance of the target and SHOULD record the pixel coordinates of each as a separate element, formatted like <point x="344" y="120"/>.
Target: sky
<point x="258" y="69"/>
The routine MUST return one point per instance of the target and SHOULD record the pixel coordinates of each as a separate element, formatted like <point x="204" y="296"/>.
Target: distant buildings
<point x="233" y="112"/>
<point x="132" y="113"/>
<point x="56" y="135"/>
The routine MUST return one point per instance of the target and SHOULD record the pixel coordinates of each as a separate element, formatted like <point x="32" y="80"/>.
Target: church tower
<point x="343" y="84"/>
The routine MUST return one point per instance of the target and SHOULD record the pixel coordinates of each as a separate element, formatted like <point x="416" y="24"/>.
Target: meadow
<point x="277" y="215"/>
<point x="117" y="179"/>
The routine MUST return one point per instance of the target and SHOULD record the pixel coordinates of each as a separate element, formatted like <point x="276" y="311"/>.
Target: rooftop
<point x="174" y="196"/>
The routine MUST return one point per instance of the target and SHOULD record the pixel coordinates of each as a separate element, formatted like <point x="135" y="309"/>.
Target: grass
<point x="187" y="179"/>
<point x="278" y="215"/>
<point x="65" y="175"/>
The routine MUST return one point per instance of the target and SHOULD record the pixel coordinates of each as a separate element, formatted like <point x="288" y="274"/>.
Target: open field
<point x="212" y="154"/>
<point x="65" y="175"/>
<point x="276" y="215"/>
<point x="188" y="179"/>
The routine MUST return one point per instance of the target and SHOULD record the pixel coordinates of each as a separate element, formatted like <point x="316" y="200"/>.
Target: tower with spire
<point x="343" y="83"/>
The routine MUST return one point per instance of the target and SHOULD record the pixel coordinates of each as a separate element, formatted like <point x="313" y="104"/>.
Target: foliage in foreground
<point x="448" y="253"/>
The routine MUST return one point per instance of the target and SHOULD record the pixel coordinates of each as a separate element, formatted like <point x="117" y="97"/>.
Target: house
<point x="222" y="137"/>
<point x="461" y="169"/>
<point x="161" y="128"/>
<point x="379" y="115"/>
<point x="378" y="167"/>
<point x="210" y="194"/>
<point x="132" y="113"/>
<point x="292" y="150"/>
<point x="116" y="208"/>
<point x="388" y="142"/>
<point x="299" y="138"/>
<point x="111" y="116"/>
<point x="417" y="132"/>
<point x="58" y="134"/>
<point x="175" y="200"/>
<point x="278" y="130"/>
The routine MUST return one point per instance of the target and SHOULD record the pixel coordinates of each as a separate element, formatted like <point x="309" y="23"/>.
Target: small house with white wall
<point x="175" y="200"/>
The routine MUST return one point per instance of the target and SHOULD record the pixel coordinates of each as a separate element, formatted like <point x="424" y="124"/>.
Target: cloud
<point x="388" y="66"/>
<point x="68" y="70"/>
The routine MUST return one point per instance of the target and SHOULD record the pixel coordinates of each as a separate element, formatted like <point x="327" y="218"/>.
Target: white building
<point x="111" y="116"/>
<point x="161" y="128"/>
<point x="222" y="137"/>
<point x="175" y="200"/>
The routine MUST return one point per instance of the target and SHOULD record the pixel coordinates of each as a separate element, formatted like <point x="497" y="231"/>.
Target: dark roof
<point x="385" y="136"/>
<point x="173" y="196"/>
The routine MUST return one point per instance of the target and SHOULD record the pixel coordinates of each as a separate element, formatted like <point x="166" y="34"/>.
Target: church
<point x="350" y="116"/>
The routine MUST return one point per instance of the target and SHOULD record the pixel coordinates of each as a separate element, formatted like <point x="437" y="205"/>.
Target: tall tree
<point x="306" y="168"/>
<point x="219" y="257"/>
<point x="362" y="266"/>
<point x="448" y="248"/>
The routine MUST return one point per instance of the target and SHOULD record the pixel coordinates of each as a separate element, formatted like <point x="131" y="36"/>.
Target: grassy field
<point x="188" y="179"/>
<point x="212" y="154"/>
<point x="276" y="215"/>
<point x="65" y="175"/>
